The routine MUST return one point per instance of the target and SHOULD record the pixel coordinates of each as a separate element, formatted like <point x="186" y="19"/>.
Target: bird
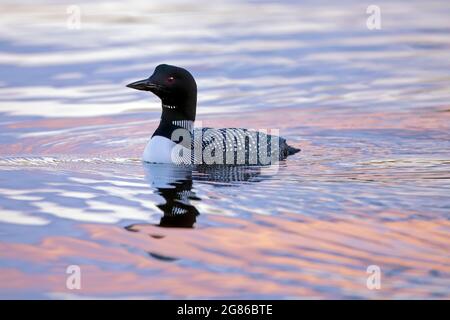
<point x="177" y="141"/>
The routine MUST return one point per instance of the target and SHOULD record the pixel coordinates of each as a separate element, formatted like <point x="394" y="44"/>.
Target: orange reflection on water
<point x="268" y="255"/>
<point x="76" y="135"/>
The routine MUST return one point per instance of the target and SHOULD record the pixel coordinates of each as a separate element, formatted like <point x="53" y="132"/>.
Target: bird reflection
<point x="175" y="183"/>
<point x="178" y="211"/>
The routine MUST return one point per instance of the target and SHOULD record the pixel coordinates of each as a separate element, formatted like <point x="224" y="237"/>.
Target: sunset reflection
<point x="369" y="109"/>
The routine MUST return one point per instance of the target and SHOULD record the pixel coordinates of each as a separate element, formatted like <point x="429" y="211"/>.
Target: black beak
<point x="145" y="85"/>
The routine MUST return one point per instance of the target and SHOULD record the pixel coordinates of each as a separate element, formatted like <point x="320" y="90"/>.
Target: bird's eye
<point x="170" y="79"/>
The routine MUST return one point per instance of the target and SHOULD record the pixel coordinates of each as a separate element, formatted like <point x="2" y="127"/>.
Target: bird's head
<point x="175" y="87"/>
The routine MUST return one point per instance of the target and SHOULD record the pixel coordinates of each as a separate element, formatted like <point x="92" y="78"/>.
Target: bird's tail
<point x="292" y="150"/>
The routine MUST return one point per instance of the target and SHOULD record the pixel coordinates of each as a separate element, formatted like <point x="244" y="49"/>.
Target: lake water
<point x="370" y="110"/>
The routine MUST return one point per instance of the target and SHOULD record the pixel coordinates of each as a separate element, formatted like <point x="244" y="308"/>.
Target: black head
<point x="175" y="87"/>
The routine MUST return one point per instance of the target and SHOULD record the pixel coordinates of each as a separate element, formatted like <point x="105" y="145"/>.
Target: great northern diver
<point x="177" y="141"/>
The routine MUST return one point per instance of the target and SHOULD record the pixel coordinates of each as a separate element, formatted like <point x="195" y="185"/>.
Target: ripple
<point x="49" y="161"/>
<point x="369" y="109"/>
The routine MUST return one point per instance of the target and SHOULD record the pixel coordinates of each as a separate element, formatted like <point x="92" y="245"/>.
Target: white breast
<point x="162" y="150"/>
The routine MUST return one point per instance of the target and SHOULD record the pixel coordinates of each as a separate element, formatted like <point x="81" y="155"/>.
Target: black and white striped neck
<point x="177" y="111"/>
<point x="169" y="106"/>
<point x="175" y="116"/>
<point x="186" y="124"/>
<point x="167" y="127"/>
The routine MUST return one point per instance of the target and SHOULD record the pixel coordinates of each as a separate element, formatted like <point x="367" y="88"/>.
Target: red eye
<point x="170" y="79"/>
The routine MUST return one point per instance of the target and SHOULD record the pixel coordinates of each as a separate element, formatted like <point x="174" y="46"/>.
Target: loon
<point x="176" y="141"/>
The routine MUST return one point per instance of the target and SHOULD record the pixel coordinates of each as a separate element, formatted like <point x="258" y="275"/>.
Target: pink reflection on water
<point x="225" y="262"/>
<point x="77" y="135"/>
